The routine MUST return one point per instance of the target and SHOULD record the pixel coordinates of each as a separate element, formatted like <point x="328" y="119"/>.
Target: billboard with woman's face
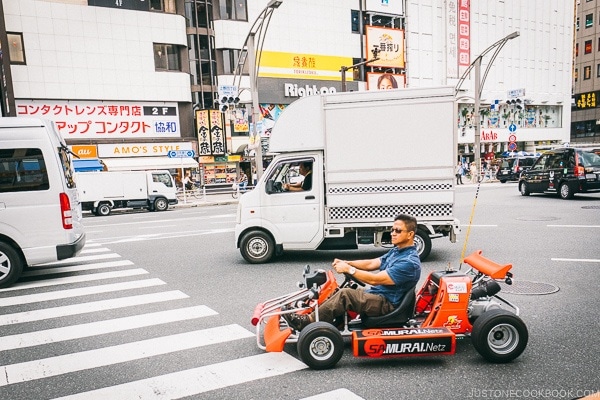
<point x="385" y="81"/>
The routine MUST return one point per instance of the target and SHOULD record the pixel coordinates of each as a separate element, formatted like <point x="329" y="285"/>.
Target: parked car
<point x="510" y="168"/>
<point x="564" y="171"/>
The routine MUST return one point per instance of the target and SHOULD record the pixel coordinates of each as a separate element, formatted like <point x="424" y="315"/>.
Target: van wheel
<point x="257" y="247"/>
<point x="524" y="189"/>
<point x="161" y="204"/>
<point x="566" y="192"/>
<point x="502" y="180"/>
<point x="103" y="209"/>
<point x="423" y="244"/>
<point x="11" y="265"/>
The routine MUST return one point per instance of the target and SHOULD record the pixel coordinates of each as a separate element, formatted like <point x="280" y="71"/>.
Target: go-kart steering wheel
<point x="354" y="279"/>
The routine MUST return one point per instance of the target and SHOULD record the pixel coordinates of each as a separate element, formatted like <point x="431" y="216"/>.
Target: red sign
<point x="464" y="34"/>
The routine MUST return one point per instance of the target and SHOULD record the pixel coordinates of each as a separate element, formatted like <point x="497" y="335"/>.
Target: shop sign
<point x="292" y="90"/>
<point x="104" y="119"/>
<point x="389" y="44"/>
<point x="302" y="66"/>
<point x="140" y="149"/>
<point x="85" y="151"/>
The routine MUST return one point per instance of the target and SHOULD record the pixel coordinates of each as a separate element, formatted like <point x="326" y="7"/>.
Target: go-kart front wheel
<point x="320" y="345"/>
<point x="499" y="336"/>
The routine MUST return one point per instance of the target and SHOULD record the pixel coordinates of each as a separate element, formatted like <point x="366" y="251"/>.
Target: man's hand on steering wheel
<point x="342" y="267"/>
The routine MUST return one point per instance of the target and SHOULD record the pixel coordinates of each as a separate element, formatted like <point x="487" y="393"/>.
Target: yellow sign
<point x="302" y="66"/>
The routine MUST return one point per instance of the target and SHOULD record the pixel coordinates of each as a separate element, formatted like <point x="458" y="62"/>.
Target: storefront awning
<point x="87" y="164"/>
<point x="143" y="163"/>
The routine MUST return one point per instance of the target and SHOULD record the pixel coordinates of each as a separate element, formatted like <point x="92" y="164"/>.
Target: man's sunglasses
<point x="398" y="231"/>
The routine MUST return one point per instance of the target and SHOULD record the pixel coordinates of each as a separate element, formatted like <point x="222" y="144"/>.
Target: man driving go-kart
<point x="392" y="276"/>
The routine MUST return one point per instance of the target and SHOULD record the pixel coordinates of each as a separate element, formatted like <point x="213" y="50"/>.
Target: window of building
<point x="166" y="57"/>
<point x="577" y="23"/>
<point x="236" y="10"/>
<point x="598" y="71"/>
<point x="16" y="52"/>
<point x="229" y="61"/>
<point x="588" y="47"/>
<point x="576" y="49"/>
<point x="355" y="21"/>
<point x="589" y="20"/>
<point x="576" y="74"/>
<point x="167" y="6"/>
<point x="587" y="72"/>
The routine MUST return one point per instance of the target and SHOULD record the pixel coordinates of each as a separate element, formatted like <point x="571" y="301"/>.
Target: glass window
<point x="588" y="47"/>
<point x="587" y="72"/>
<point x="598" y="70"/>
<point x="576" y="73"/>
<point x="16" y="52"/>
<point x="589" y="20"/>
<point x="167" y="6"/>
<point x="576" y="49"/>
<point x="22" y="170"/>
<point x="166" y="57"/>
<point x="293" y="172"/>
<point x="233" y="9"/>
<point x="355" y="21"/>
<point x="230" y="59"/>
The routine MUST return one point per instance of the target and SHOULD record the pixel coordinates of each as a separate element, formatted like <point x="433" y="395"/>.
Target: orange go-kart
<point x="449" y="305"/>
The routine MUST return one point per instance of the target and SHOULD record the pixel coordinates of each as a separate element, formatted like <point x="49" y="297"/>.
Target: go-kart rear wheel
<point x="499" y="336"/>
<point x="257" y="247"/>
<point x="320" y="345"/>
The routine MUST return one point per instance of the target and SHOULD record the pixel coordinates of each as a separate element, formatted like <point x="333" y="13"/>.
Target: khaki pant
<point x="356" y="300"/>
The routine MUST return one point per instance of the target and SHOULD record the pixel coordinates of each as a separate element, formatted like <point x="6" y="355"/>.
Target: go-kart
<point x="449" y="305"/>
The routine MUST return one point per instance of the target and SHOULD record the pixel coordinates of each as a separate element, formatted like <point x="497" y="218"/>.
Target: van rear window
<point x="22" y="170"/>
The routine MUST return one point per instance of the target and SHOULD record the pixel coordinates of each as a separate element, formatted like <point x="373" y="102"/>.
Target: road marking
<point x="163" y="236"/>
<point x="75" y="279"/>
<point x="71" y="332"/>
<point x="198" y="380"/>
<point x="53" y="366"/>
<point x="590" y="260"/>
<point x="573" y="226"/>
<point x="35" y="271"/>
<point x="69" y="293"/>
<point x="80" y="259"/>
<point x="85" y="308"/>
<point x="94" y="250"/>
<point x="339" y="394"/>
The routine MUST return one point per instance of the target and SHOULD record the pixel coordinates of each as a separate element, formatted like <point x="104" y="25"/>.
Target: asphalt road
<point x="179" y="325"/>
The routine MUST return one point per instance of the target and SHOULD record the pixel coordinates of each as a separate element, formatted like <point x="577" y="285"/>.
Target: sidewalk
<point x="207" y="200"/>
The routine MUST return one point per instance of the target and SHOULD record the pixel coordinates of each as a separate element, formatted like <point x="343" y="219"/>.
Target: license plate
<point x="591" y="177"/>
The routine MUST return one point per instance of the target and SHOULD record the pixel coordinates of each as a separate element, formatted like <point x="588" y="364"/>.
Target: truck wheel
<point x="11" y="265"/>
<point x="103" y="209"/>
<point x="320" y="345"/>
<point x="566" y="192"/>
<point x="423" y="244"/>
<point x="499" y="336"/>
<point x="257" y="247"/>
<point x="524" y="189"/>
<point x="161" y="204"/>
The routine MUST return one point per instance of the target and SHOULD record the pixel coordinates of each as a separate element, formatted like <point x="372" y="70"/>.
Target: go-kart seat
<point x="396" y="318"/>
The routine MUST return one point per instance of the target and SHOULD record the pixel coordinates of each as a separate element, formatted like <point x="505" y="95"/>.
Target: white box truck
<point x="40" y="214"/>
<point x="374" y="155"/>
<point x="100" y="192"/>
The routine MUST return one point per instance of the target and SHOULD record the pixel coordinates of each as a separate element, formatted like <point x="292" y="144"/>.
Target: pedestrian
<point x="242" y="181"/>
<point x="473" y="171"/>
<point x="459" y="173"/>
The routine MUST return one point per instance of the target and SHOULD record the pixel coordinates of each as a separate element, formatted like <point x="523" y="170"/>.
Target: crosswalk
<point x="48" y="316"/>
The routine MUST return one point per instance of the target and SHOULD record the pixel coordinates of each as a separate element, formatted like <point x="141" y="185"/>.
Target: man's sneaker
<point x="297" y="321"/>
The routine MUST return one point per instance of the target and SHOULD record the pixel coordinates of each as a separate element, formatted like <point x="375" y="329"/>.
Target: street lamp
<point x="479" y="82"/>
<point x="253" y="53"/>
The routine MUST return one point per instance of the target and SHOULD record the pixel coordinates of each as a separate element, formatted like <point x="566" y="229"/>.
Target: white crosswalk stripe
<point x="62" y="328"/>
<point x="199" y="380"/>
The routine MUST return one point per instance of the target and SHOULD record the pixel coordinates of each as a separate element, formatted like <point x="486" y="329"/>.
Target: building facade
<point x="585" y="126"/>
<point x="127" y="81"/>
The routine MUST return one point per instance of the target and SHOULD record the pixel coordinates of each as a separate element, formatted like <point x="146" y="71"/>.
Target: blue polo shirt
<point x="404" y="267"/>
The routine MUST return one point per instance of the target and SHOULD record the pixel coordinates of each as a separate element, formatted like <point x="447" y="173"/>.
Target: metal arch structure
<point x="251" y="52"/>
<point x="479" y="82"/>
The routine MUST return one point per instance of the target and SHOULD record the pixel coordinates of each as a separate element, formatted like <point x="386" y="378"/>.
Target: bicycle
<point x="195" y="192"/>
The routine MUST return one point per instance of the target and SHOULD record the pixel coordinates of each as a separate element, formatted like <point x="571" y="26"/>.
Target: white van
<point x="40" y="214"/>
